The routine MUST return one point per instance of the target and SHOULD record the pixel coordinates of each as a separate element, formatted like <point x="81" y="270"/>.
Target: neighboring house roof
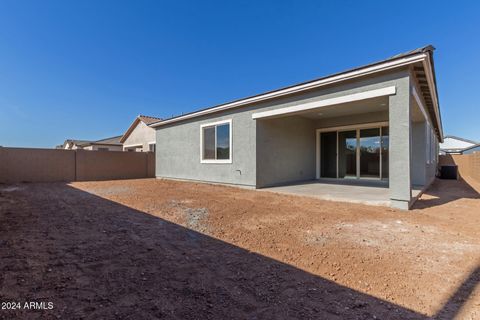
<point x="456" y="144"/>
<point x="423" y="55"/>
<point x="73" y="141"/>
<point x="83" y="143"/>
<point x="77" y="141"/>
<point x="460" y="139"/>
<point x="107" y="141"/>
<point x="145" y="119"/>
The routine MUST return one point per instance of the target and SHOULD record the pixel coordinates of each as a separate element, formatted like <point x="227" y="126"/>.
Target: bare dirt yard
<point x="147" y="249"/>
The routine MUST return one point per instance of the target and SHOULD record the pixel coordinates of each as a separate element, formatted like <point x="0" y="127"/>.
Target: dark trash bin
<point x="449" y="172"/>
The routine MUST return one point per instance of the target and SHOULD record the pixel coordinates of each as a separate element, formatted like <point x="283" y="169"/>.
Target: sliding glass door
<point x="369" y="153"/>
<point x="328" y="153"/>
<point x="347" y="154"/>
<point x="360" y="153"/>
<point x="384" y="154"/>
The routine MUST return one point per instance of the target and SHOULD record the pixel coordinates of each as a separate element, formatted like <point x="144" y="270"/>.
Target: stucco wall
<point x="432" y="167"/>
<point x="178" y="151"/>
<point x="361" y="118"/>
<point x="141" y="135"/>
<point x="285" y="150"/>
<point x="419" y="153"/>
<point x="178" y="145"/>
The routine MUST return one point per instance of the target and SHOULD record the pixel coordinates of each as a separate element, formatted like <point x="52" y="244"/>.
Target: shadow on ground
<point x="445" y="191"/>
<point x="94" y="258"/>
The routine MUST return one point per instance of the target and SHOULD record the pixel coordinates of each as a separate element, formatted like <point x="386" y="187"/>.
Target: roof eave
<point x="432" y="84"/>
<point x="130" y="129"/>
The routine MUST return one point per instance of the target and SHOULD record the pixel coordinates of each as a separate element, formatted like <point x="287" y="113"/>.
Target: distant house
<point x="108" y="144"/>
<point x="139" y="136"/>
<point x="472" y="149"/>
<point x="455" y="145"/>
<point x="72" y="144"/>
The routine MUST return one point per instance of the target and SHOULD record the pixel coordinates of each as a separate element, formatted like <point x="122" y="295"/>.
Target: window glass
<point x="209" y="143"/>
<point x="385" y="142"/>
<point x="151" y="147"/>
<point x="223" y="141"/>
<point x="370" y="143"/>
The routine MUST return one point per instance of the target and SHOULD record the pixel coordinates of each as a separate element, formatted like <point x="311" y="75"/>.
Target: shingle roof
<point x="112" y="140"/>
<point x="148" y="119"/>
<point x="145" y="119"/>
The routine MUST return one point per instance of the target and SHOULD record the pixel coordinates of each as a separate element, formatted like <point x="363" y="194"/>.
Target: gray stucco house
<point x="380" y="122"/>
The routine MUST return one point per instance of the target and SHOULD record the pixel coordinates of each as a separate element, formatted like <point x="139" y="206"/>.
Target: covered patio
<point x="374" y="146"/>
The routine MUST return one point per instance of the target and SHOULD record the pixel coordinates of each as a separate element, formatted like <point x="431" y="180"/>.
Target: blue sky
<point x="85" y="69"/>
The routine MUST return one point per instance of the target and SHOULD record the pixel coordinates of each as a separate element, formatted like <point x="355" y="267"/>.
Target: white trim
<point x="355" y="127"/>
<point x="420" y="104"/>
<point x="327" y="102"/>
<point x="295" y="89"/>
<point x="230" y="130"/>
<point x="152" y="142"/>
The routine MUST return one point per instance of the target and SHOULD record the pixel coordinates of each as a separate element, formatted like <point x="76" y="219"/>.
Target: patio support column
<point x="400" y="181"/>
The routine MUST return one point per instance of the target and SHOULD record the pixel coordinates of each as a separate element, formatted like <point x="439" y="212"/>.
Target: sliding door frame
<point x="357" y="128"/>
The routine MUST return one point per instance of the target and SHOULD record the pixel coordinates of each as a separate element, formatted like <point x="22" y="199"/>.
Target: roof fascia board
<point x="427" y="65"/>
<point x="295" y="89"/>
<point x="130" y="129"/>
<point x="327" y="102"/>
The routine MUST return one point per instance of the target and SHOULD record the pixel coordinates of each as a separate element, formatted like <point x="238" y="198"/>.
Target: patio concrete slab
<point x="370" y="192"/>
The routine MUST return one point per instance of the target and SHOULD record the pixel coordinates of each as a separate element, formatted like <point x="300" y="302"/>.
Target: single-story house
<point x="71" y="144"/>
<point x="380" y="122"/>
<point x="139" y="136"/>
<point x="107" y="144"/>
<point x="455" y="145"/>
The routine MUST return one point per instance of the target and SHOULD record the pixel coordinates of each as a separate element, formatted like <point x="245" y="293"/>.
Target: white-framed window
<point x="151" y="146"/>
<point x="216" y="142"/>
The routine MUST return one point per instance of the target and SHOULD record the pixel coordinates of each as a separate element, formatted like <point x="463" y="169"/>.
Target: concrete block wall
<point x="36" y="165"/>
<point x="105" y="165"/>
<point x="468" y="164"/>
<point x="56" y="165"/>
